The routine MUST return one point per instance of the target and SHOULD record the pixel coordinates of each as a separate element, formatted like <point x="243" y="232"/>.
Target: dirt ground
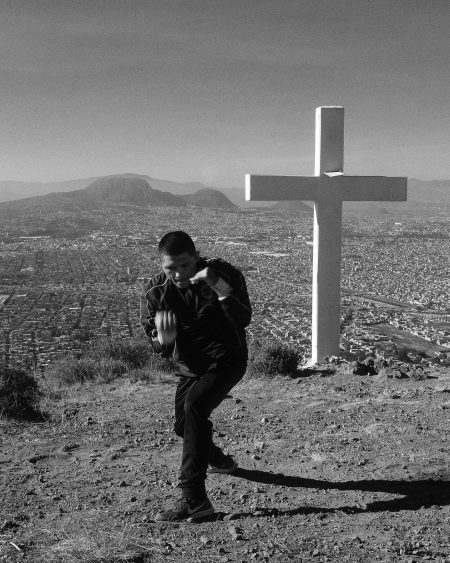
<point x="332" y="468"/>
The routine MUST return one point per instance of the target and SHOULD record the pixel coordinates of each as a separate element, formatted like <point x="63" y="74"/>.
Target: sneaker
<point x="189" y="509"/>
<point x="225" y="465"/>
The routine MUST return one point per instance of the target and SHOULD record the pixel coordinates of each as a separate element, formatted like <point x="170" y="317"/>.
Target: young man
<point x="197" y="310"/>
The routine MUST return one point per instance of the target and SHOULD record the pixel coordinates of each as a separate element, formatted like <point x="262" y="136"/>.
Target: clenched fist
<point x="207" y="275"/>
<point x="166" y="325"/>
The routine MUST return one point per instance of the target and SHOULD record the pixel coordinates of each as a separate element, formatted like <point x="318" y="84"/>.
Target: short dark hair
<point x="175" y="243"/>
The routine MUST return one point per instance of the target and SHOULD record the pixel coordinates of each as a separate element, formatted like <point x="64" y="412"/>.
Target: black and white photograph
<point x="224" y="281"/>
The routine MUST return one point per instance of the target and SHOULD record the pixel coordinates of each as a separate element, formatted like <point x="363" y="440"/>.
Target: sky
<point x="209" y="90"/>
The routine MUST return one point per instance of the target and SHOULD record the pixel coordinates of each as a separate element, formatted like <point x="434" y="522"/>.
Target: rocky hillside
<point x="332" y="467"/>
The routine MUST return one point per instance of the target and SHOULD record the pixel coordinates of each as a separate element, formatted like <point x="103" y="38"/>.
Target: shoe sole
<point x="197" y="515"/>
<point x="200" y="514"/>
<point x="228" y="471"/>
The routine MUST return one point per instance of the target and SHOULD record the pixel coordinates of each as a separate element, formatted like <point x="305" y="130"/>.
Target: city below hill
<point x="135" y="189"/>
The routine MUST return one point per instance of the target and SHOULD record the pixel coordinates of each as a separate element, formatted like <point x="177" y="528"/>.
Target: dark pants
<point x="195" y="399"/>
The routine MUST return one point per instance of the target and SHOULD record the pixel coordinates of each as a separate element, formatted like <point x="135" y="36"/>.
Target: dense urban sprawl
<point x="57" y="294"/>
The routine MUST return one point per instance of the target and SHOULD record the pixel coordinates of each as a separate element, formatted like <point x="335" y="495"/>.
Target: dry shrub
<point x="19" y="393"/>
<point x="68" y="371"/>
<point x="134" y="353"/>
<point x="107" y="360"/>
<point x="156" y="370"/>
<point x="89" y="539"/>
<point x="269" y="358"/>
<point x="109" y="369"/>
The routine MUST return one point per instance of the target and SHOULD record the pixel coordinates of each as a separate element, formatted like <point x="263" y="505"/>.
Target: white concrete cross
<point x="328" y="188"/>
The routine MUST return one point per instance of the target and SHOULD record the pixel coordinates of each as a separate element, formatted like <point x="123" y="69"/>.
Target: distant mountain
<point x="112" y="190"/>
<point x="176" y="188"/>
<point x="11" y="190"/>
<point x="207" y="197"/>
<point x="100" y="193"/>
<point x="423" y="196"/>
<point x="127" y="189"/>
<point x="237" y="196"/>
<point x="118" y="189"/>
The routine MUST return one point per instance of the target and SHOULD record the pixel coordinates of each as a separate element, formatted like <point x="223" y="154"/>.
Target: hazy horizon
<point x="170" y="180"/>
<point x="207" y="91"/>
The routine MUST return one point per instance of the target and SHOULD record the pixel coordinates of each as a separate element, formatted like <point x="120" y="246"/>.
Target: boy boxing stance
<point x="197" y="310"/>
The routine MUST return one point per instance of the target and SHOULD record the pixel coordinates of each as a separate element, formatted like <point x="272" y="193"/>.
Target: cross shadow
<point x="422" y="493"/>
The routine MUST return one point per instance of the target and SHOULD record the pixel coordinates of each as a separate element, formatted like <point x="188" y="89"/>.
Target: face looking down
<point x="179" y="268"/>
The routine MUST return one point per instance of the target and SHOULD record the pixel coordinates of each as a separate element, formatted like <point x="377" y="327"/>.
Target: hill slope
<point x="353" y="468"/>
<point x="11" y="190"/>
<point x="207" y="197"/>
<point x="131" y="190"/>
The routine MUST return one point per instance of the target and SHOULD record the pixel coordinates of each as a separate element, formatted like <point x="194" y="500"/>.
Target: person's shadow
<point x="413" y="494"/>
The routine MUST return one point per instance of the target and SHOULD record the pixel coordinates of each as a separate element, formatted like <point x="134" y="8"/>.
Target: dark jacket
<point x="209" y="331"/>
